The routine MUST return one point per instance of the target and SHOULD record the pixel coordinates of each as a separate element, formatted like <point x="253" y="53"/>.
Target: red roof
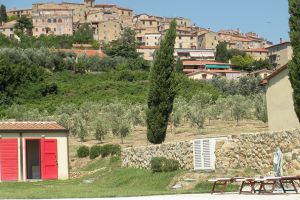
<point x="87" y="52"/>
<point x="31" y="126"/>
<point x="257" y="50"/>
<point x="202" y="62"/>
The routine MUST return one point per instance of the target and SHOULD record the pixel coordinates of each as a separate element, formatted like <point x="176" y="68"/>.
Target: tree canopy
<point x="84" y="34"/>
<point x="24" y="25"/>
<point x="125" y="46"/>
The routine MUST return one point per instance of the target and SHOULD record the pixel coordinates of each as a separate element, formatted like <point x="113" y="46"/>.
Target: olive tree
<point x="101" y="129"/>
<point x="260" y="106"/>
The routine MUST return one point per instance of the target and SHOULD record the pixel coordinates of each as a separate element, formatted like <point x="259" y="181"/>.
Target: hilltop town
<point x="108" y="21"/>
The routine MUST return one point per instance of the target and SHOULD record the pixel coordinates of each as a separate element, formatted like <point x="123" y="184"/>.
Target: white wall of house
<point x="280" y="103"/>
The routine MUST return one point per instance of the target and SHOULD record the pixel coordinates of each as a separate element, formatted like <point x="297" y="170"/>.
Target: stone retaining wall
<point x="256" y="151"/>
<point x="253" y="151"/>
<point x="140" y="157"/>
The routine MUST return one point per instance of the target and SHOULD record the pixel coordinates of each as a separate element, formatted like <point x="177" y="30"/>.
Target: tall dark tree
<point x="162" y="88"/>
<point x="125" y="46"/>
<point x="3" y="15"/>
<point x="222" y="52"/>
<point x="24" y="24"/>
<point x="294" y="65"/>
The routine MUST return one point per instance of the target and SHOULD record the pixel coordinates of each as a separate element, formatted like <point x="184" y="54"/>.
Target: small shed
<point x="33" y="151"/>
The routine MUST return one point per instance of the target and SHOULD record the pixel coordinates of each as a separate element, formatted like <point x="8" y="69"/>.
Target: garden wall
<point x="139" y="157"/>
<point x="254" y="151"/>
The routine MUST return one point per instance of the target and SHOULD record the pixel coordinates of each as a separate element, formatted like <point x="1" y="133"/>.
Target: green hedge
<point x="83" y="151"/>
<point x="105" y="150"/>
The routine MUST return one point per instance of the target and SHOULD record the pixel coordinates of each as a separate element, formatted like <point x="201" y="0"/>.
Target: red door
<point x="9" y="160"/>
<point x="49" y="158"/>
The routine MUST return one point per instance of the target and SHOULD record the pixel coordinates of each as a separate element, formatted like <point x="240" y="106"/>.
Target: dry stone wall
<point x="256" y="151"/>
<point x="140" y="157"/>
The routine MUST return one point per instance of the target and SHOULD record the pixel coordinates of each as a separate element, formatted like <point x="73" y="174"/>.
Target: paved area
<point x="208" y="197"/>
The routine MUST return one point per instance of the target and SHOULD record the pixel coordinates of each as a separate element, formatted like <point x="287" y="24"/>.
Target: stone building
<point x="280" y="54"/>
<point x="19" y="12"/>
<point x="52" y="21"/>
<point x="208" y="40"/>
<point x="144" y="25"/>
<point x="107" y="20"/>
<point x="8" y="29"/>
<point x="238" y="40"/>
<point x="257" y="54"/>
<point x="152" y="39"/>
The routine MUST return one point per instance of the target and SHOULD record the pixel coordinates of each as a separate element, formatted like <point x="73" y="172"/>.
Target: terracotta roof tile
<point x="202" y="62"/>
<point x="31" y="126"/>
<point x="257" y="50"/>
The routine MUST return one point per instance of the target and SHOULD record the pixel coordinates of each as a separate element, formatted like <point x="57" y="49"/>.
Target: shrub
<point x="170" y="165"/>
<point x="110" y="149"/>
<point x="115" y="150"/>
<point x="95" y="151"/>
<point x="162" y="164"/>
<point x="157" y="164"/>
<point x="83" y="151"/>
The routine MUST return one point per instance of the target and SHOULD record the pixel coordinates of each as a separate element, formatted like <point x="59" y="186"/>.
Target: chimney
<point x="281" y="40"/>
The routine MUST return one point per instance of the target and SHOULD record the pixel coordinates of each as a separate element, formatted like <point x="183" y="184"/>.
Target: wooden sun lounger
<point x="247" y="182"/>
<point x="222" y="182"/>
<point x="267" y="181"/>
<point x="289" y="180"/>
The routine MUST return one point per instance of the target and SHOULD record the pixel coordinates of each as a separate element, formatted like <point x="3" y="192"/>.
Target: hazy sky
<point x="268" y="18"/>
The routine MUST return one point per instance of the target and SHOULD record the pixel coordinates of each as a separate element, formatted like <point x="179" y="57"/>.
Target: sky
<point x="268" y="18"/>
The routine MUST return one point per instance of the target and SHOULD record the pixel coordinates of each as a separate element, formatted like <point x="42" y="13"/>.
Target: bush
<point x="115" y="150"/>
<point x="162" y="164"/>
<point x="95" y="151"/>
<point x="157" y="164"/>
<point x="83" y="151"/>
<point x="110" y="149"/>
<point x="171" y="165"/>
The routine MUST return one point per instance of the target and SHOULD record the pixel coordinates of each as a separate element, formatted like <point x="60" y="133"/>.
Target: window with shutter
<point x="204" y="154"/>
<point x="198" y="154"/>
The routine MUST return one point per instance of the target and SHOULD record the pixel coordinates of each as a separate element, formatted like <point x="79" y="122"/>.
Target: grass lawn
<point x="109" y="181"/>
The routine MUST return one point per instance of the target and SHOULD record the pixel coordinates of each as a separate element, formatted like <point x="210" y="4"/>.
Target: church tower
<point x="89" y="3"/>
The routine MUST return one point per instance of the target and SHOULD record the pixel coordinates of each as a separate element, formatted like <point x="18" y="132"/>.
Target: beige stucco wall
<point x="199" y="76"/>
<point x="282" y="52"/>
<point x="258" y="55"/>
<point x="8" y="32"/>
<point x="147" y="54"/>
<point x="280" y="106"/>
<point x="62" y="151"/>
<point x="208" y="40"/>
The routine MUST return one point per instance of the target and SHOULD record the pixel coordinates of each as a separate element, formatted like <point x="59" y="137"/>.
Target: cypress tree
<point x="162" y="88"/>
<point x="3" y="15"/>
<point x="294" y="64"/>
<point x="222" y="52"/>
